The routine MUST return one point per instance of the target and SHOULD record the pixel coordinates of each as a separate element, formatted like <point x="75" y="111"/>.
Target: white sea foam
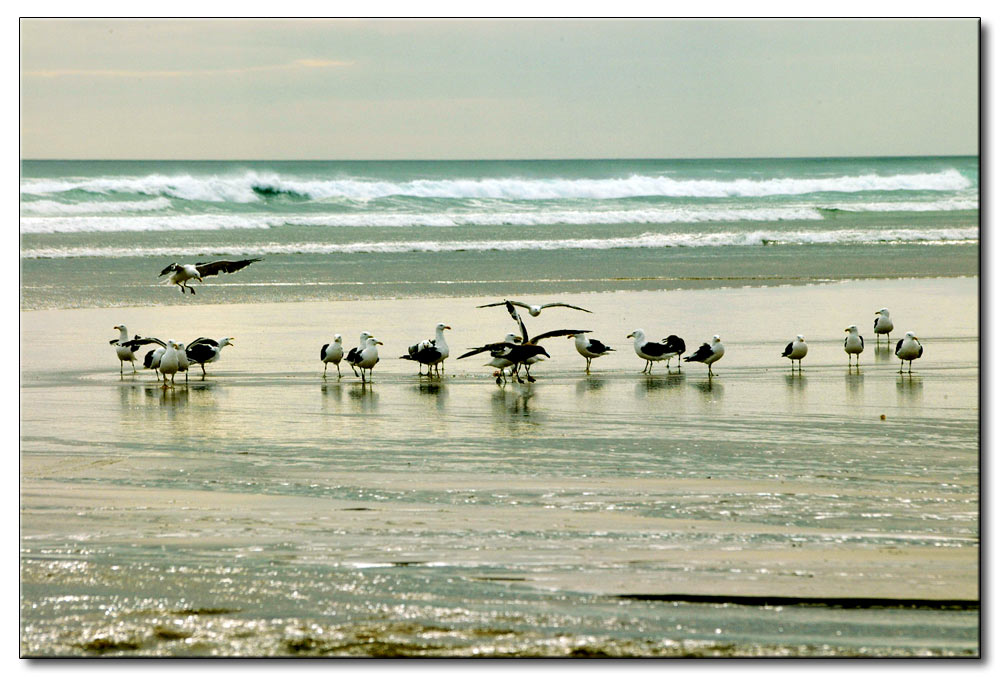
<point x="95" y="207"/>
<point x="254" y="186"/>
<point x="645" y="241"/>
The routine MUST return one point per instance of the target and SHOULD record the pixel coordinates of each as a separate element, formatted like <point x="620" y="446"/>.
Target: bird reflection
<point x="514" y="402"/>
<point x="909" y="389"/>
<point x="659" y="384"/>
<point x="884" y="353"/>
<point x="710" y="390"/>
<point x="433" y="391"/>
<point x="589" y="384"/>
<point x="364" y="396"/>
<point x="854" y="381"/>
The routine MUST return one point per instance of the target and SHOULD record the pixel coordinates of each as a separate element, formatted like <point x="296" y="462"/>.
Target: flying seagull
<point x="180" y="273"/>
<point x="534" y="311"/>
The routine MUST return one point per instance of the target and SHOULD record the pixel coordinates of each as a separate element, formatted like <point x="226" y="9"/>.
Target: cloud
<point x="123" y="73"/>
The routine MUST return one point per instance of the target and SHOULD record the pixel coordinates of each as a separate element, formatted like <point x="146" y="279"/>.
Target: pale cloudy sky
<point x="439" y="89"/>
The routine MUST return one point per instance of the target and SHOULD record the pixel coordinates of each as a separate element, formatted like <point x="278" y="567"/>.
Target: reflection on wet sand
<point x="711" y="390"/>
<point x="365" y="398"/>
<point x="909" y="389"/>
<point x="589" y="384"/>
<point x="659" y="384"/>
<point x="433" y="392"/>
<point x="854" y="381"/>
<point x="884" y="353"/>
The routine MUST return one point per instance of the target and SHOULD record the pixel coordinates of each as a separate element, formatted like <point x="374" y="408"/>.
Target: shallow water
<point x="265" y="510"/>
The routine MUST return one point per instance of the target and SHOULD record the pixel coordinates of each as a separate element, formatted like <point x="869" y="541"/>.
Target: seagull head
<point x="883" y="311"/>
<point x="442" y="326"/>
<point x="638" y="333"/>
<point x="337" y="338"/>
<point x="800" y="337"/>
<point x="910" y="335"/>
<point x="227" y="342"/>
<point x="852" y="328"/>
<point x="716" y="339"/>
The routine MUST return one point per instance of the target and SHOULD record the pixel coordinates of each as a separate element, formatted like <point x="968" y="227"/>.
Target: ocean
<point x="97" y="233"/>
<point x="266" y="510"/>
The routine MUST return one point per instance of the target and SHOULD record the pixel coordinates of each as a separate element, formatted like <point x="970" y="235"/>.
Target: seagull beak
<point x="447" y="327"/>
<point x="379" y="343"/>
<point x="630" y="335"/>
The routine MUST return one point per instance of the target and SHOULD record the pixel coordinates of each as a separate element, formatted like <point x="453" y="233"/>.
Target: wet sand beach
<point x="266" y="510"/>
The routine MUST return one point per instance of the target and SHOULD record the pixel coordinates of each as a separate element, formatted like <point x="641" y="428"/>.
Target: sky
<point x="351" y="89"/>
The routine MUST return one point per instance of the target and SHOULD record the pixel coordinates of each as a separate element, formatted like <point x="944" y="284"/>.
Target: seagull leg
<point x="339" y="375"/>
<point x="325" y="365"/>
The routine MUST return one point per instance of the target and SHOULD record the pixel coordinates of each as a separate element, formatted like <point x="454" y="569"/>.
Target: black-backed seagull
<point x="796" y="350"/>
<point x="180" y="273"/>
<point x="332" y="352"/>
<point x="908" y="348"/>
<point x="205" y="350"/>
<point x="369" y="357"/>
<point x="654" y="352"/>
<point x="854" y="344"/>
<point x="534" y="310"/>
<point x="589" y="347"/>
<point x="708" y="353"/>
<point x="432" y="352"/>
<point x="354" y="354"/>
<point x="883" y="325"/>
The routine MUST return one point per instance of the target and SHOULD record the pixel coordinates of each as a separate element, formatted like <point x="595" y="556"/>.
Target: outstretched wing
<point x="216" y="267"/>
<point x="201" y="340"/>
<point x="564" y="305"/>
<point x="558" y="332"/>
<point x="140" y="341"/>
<point x="169" y="269"/>
<point x="517" y="318"/>
<point x="490" y="347"/>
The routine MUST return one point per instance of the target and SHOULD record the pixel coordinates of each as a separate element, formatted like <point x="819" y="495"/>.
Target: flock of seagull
<point x="509" y="356"/>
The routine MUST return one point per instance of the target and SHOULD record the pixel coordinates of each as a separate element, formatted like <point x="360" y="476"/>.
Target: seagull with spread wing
<point x="180" y="273"/>
<point x="534" y="311"/>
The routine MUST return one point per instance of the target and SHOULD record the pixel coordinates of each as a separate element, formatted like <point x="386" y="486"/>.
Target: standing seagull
<point x="501" y="363"/>
<point x="708" y="353"/>
<point x="125" y="348"/>
<point x="182" y="272"/>
<point x="883" y="325"/>
<point x="432" y="352"/>
<point x="332" y="352"/>
<point x="169" y="363"/>
<point x="796" y="350"/>
<point x="369" y="357"/>
<point x="654" y="352"/>
<point x="204" y="350"/>
<point x="354" y="354"/>
<point x="534" y="311"/>
<point x="589" y="348"/>
<point x="854" y="344"/>
<point x="908" y="349"/>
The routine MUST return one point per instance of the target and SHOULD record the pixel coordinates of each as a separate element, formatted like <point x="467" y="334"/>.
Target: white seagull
<point x="180" y="273"/>
<point x="369" y="357"/>
<point x="332" y="352"/>
<point x="654" y="352"/>
<point x="883" y="324"/>
<point x="432" y="352"/>
<point x="796" y="350"/>
<point x="125" y="348"/>
<point x="535" y="310"/>
<point x="908" y="348"/>
<point x="170" y="363"/>
<point x="854" y="344"/>
<point x="205" y="350"/>
<point x="354" y="354"/>
<point x="708" y="353"/>
<point x="588" y="347"/>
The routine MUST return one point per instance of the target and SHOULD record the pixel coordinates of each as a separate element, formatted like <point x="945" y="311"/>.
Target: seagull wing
<point x="490" y="347"/>
<point x="201" y="340"/>
<point x="862" y="342"/>
<point x="920" y="351"/>
<point x="899" y="344"/>
<point x="491" y="305"/>
<point x="564" y="305"/>
<point x="557" y="332"/>
<point x="788" y="350"/>
<point x="169" y="269"/>
<point x="216" y="267"/>
<point x="596" y="346"/>
<point x="139" y="341"/>
<point x="700" y="355"/>
<point x="517" y="318"/>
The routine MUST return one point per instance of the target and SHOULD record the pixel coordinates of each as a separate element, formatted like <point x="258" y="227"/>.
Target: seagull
<point x="908" y="348"/>
<point x="708" y="353"/>
<point x="170" y="363"/>
<point x="535" y="311"/>
<point x="182" y="272"/>
<point x="654" y="352"/>
<point x="854" y="344"/>
<point x="125" y="348"/>
<point x="152" y="361"/>
<point x="524" y="352"/>
<point x="432" y="352"/>
<point x="354" y="354"/>
<point x="182" y="360"/>
<point x="369" y="357"/>
<point x="501" y="363"/>
<point x="204" y="350"/>
<point x="796" y="350"/>
<point x="589" y="348"/>
<point x="883" y="324"/>
<point x="332" y="352"/>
